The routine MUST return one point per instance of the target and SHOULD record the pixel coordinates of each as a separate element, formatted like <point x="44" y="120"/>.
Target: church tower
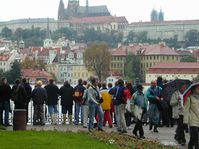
<point x="154" y="15"/>
<point x="72" y="9"/>
<point x="161" y="16"/>
<point x="61" y="11"/>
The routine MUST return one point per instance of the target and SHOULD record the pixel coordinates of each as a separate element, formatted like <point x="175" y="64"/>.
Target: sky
<point x="133" y="10"/>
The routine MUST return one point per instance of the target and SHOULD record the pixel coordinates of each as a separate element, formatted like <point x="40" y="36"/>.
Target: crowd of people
<point x="98" y="103"/>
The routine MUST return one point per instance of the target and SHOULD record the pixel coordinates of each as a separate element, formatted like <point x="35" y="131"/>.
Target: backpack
<point x="125" y="95"/>
<point x="14" y="95"/>
<point x="78" y="95"/>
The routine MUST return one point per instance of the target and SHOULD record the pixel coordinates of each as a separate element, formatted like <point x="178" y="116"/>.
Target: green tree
<point x="97" y="58"/>
<point x="188" y="58"/>
<point x="14" y="73"/>
<point x="131" y="37"/>
<point x="192" y="38"/>
<point x="141" y="37"/>
<point x="6" y="33"/>
<point x="132" y="69"/>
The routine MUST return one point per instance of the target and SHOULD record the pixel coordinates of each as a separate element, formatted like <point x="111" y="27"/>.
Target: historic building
<point x="172" y="71"/>
<point x="74" y="10"/>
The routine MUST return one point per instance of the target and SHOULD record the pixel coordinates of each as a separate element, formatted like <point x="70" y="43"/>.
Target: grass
<point x="50" y="140"/>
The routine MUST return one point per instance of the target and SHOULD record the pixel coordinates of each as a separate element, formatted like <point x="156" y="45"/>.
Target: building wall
<point x="162" y="30"/>
<point x="117" y="64"/>
<point x="150" y="77"/>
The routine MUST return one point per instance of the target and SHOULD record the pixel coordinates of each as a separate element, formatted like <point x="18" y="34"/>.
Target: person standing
<point x="52" y="98"/>
<point x="153" y="94"/>
<point x="140" y="103"/>
<point x="28" y="90"/>
<point x="66" y="92"/>
<point x="5" y="96"/>
<point x="94" y="97"/>
<point x="191" y="116"/>
<point x="106" y="105"/>
<point x="39" y="97"/>
<point x="78" y="94"/>
<point x="177" y="113"/>
<point x="120" y="106"/>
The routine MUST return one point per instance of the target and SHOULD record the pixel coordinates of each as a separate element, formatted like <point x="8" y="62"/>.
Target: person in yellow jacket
<point x="106" y="105"/>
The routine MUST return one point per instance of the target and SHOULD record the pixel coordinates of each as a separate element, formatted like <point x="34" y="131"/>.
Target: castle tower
<point x="61" y="11"/>
<point x="161" y="16"/>
<point x="154" y="15"/>
<point x="72" y="9"/>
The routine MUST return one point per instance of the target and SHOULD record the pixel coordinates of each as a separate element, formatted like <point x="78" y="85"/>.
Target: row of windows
<point x="2" y="63"/>
<point x="157" y="57"/>
<point x="79" y="75"/>
<point x="116" y="65"/>
<point x="173" y="76"/>
<point x="117" y="58"/>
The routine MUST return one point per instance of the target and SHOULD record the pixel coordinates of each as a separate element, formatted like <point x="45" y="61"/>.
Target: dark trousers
<point x="193" y="142"/>
<point x="138" y="127"/>
<point x="180" y="129"/>
<point x="128" y="118"/>
<point x="1" y="113"/>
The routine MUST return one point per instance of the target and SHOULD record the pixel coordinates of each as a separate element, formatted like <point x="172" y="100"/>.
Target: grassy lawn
<point x="49" y="140"/>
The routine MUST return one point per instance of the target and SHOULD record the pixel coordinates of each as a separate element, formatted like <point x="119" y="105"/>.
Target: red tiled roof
<point x="30" y="73"/>
<point x="40" y="49"/>
<point x="155" y="49"/>
<point x="175" y="68"/>
<point x="98" y="20"/>
<point x="4" y="57"/>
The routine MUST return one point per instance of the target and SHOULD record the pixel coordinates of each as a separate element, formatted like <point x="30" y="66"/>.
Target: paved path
<point x="165" y="135"/>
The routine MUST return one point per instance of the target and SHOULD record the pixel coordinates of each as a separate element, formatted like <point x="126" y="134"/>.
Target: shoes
<point x="7" y="125"/>
<point x="155" y="129"/>
<point x="84" y="126"/>
<point x="111" y="126"/>
<point x="119" y="130"/>
<point x="123" y="131"/>
<point x="135" y="133"/>
<point x="100" y="129"/>
<point x="142" y="137"/>
<point x="90" y="130"/>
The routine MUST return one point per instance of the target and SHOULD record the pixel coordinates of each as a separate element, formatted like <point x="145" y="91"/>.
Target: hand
<point x="157" y="98"/>
<point x="179" y="98"/>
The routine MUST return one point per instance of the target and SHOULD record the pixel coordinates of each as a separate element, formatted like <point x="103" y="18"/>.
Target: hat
<point x="39" y="83"/>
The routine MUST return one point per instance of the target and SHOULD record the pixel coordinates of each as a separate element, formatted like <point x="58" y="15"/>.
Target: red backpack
<point x="126" y="95"/>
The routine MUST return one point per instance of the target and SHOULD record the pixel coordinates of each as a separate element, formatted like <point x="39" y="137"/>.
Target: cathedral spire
<point x="86" y="3"/>
<point x="61" y="11"/>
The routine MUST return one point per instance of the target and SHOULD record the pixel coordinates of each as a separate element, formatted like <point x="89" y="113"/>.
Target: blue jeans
<point x="153" y="114"/>
<point x="93" y="109"/>
<point x="6" y="108"/>
<point x="78" y="109"/>
<point x="120" y="118"/>
<point x="52" y="109"/>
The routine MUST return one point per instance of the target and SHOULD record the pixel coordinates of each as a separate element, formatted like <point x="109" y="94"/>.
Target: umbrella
<point x="187" y="92"/>
<point x="170" y="87"/>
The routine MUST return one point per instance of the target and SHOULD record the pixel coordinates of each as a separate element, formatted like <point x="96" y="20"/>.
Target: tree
<point x="97" y="58"/>
<point x="196" y="79"/>
<point x="192" y="38"/>
<point x="14" y="73"/>
<point x="188" y="58"/>
<point x="31" y="64"/>
<point x="6" y="33"/>
<point x="132" y="69"/>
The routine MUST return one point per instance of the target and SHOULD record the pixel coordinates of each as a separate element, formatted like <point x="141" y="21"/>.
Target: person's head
<point x="3" y="80"/>
<point x="159" y="80"/>
<point x="153" y="83"/>
<point x="51" y="81"/>
<point x="182" y="87"/>
<point x="24" y="80"/>
<point x="39" y="83"/>
<point x="85" y="82"/>
<point x="195" y="89"/>
<point x="129" y="86"/>
<point x="66" y="83"/>
<point x="104" y="85"/>
<point x="120" y="82"/>
<point x="94" y="81"/>
<point x="17" y="81"/>
<point x="110" y="85"/>
<point x="80" y="81"/>
<point x="116" y="83"/>
<point x="139" y="88"/>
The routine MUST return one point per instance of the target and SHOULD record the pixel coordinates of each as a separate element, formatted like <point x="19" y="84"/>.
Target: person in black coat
<point x="39" y="97"/>
<point x="5" y="96"/>
<point x="52" y="98"/>
<point x="66" y="92"/>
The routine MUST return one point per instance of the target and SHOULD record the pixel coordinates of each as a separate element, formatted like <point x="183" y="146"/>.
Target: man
<point x="52" y="98"/>
<point x="94" y="97"/>
<point x="39" y="97"/>
<point x="5" y="95"/>
<point x="79" y="91"/>
<point x="177" y="113"/>
<point x="120" y="106"/>
<point x="154" y="96"/>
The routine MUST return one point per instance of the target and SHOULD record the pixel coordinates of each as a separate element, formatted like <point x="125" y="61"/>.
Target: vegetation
<point x="132" y="69"/>
<point x="69" y="140"/>
<point x="97" y="58"/>
<point x="49" y="140"/>
<point x="188" y="58"/>
<point x="192" y="38"/>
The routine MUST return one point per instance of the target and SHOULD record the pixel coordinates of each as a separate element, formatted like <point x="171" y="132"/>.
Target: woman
<point x="140" y="103"/>
<point x="191" y="116"/>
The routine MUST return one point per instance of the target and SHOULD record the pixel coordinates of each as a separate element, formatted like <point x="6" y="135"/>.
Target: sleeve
<point x="90" y="95"/>
<point x="186" y="111"/>
<point x="174" y="100"/>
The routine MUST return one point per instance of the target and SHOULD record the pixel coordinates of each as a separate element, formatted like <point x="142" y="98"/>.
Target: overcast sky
<point x="134" y="10"/>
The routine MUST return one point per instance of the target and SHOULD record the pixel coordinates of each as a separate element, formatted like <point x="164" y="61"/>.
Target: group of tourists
<point x="98" y="103"/>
